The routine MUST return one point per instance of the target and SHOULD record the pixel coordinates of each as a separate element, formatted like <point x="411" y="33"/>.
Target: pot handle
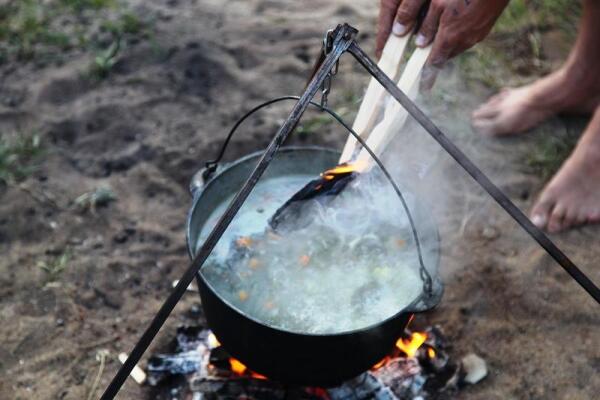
<point x="201" y="177"/>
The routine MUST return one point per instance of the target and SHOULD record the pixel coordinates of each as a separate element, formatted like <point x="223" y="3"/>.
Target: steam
<point x="352" y="263"/>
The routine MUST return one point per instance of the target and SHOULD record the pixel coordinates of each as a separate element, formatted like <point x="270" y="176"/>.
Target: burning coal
<point x="420" y="366"/>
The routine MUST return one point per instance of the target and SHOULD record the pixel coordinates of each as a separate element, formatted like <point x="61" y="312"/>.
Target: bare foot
<point x="570" y="89"/>
<point x="573" y="195"/>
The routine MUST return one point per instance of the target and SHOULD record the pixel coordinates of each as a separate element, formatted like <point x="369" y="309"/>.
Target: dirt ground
<point x="74" y="282"/>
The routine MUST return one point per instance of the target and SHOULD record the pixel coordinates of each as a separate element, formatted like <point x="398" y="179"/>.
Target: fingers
<point x="387" y="13"/>
<point x="430" y="25"/>
<point x="406" y="16"/>
<point x="428" y="77"/>
<point x="441" y="51"/>
<point x="424" y="38"/>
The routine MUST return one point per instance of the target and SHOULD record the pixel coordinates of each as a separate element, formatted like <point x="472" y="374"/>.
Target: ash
<point x="201" y="369"/>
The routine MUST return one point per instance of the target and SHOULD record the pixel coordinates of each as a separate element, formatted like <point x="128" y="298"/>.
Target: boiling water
<point x="351" y="264"/>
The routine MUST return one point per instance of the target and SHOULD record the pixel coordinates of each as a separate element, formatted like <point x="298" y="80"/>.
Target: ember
<point x="419" y="367"/>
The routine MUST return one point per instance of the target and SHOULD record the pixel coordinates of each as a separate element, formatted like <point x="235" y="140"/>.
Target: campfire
<point x="419" y="367"/>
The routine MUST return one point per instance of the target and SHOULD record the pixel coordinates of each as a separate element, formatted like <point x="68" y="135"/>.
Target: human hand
<point x="452" y="25"/>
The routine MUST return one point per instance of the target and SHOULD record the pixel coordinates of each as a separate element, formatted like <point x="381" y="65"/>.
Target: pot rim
<point x="197" y="191"/>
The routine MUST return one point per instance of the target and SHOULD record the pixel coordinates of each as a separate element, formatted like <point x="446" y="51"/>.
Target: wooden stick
<point x="137" y="373"/>
<point x="394" y="115"/>
<point x="365" y="119"/>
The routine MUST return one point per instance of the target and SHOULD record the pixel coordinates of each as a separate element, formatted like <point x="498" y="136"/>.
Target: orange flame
<point x="240" y="369"/>
<point x="431" y="352"/>
<point x="340" y="169"/>
<point x="258" y="376"/>
<point x="411" y="345"/>
<point x="237" y="366"/>
<point x="380" y="363"/>
<point x="408" y="346"/>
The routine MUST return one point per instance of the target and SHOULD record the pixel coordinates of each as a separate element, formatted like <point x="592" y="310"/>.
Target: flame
<point x="340" y="169"/>
<point x="411" y="345"/>
<point x="380" y="363"/>
<point x="237" y="366"/>
<point x="431" y="352"/>
<point x="258" y="376"/>
<point x="240" y="369"/>
<point x="213" y="342"/>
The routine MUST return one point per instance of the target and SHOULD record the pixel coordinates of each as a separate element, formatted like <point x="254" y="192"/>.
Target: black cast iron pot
<point x="290" y="357"/>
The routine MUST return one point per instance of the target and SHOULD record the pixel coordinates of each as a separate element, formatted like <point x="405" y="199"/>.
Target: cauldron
<point x="292" y="357"/>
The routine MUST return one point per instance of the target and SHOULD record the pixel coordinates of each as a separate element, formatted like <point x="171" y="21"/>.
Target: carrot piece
<point x="254" y="263"/>
<point x="273" y="236"/>
<point x="243" y="241"/>
<point x="304" y="260"/>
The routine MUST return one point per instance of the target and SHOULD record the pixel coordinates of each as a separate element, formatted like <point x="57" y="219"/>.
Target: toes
<point x="489" y="108"/>
<point x="483" y="126"/>
<point x="540" y="214"/>
<point x="485" y="111"/>
<point x="488" y="127"/>
<point x="489" y="118"/>
<point x="582" y="217"/>
<point x="593" y="216"/>
<point x="556" y="220"/>
<point x="570" y="219"/>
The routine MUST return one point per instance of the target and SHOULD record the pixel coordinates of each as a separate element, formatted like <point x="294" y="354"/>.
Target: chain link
<point x="326" y="86"/>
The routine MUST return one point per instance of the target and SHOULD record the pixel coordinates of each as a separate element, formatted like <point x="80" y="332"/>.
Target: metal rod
<point x="476" y="173"/>
<point x="343" y="39"/>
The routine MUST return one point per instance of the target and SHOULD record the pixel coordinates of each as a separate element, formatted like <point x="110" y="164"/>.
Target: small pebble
<point x="490" y="233"/>
<point x="195" y="310"/>
<point x="474" y="367"/>
<point x="120" y="237"/>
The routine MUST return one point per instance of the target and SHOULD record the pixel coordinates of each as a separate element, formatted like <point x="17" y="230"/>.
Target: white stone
<point x="474" y="367"/>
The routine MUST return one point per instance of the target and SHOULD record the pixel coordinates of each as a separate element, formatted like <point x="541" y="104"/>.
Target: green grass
<point x="514" y="50"/>
<point x="131" y="24"/>
<point x="540" y="14"/>
<point x="314" y="124"/>
<point x="96" y="198"/>
<point x="18" y="156"/>
<point x="127" y="23"/>
<point x="56" y="265"/>
<point x="105" y="60"/>
<point x="23" y="25"/>
<point x="83" y="5"/>
<point x="549" y="153"/>
<point x="32" y="28"/>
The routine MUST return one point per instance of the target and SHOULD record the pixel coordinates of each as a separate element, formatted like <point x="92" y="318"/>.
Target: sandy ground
<point x="162" y="111"/>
